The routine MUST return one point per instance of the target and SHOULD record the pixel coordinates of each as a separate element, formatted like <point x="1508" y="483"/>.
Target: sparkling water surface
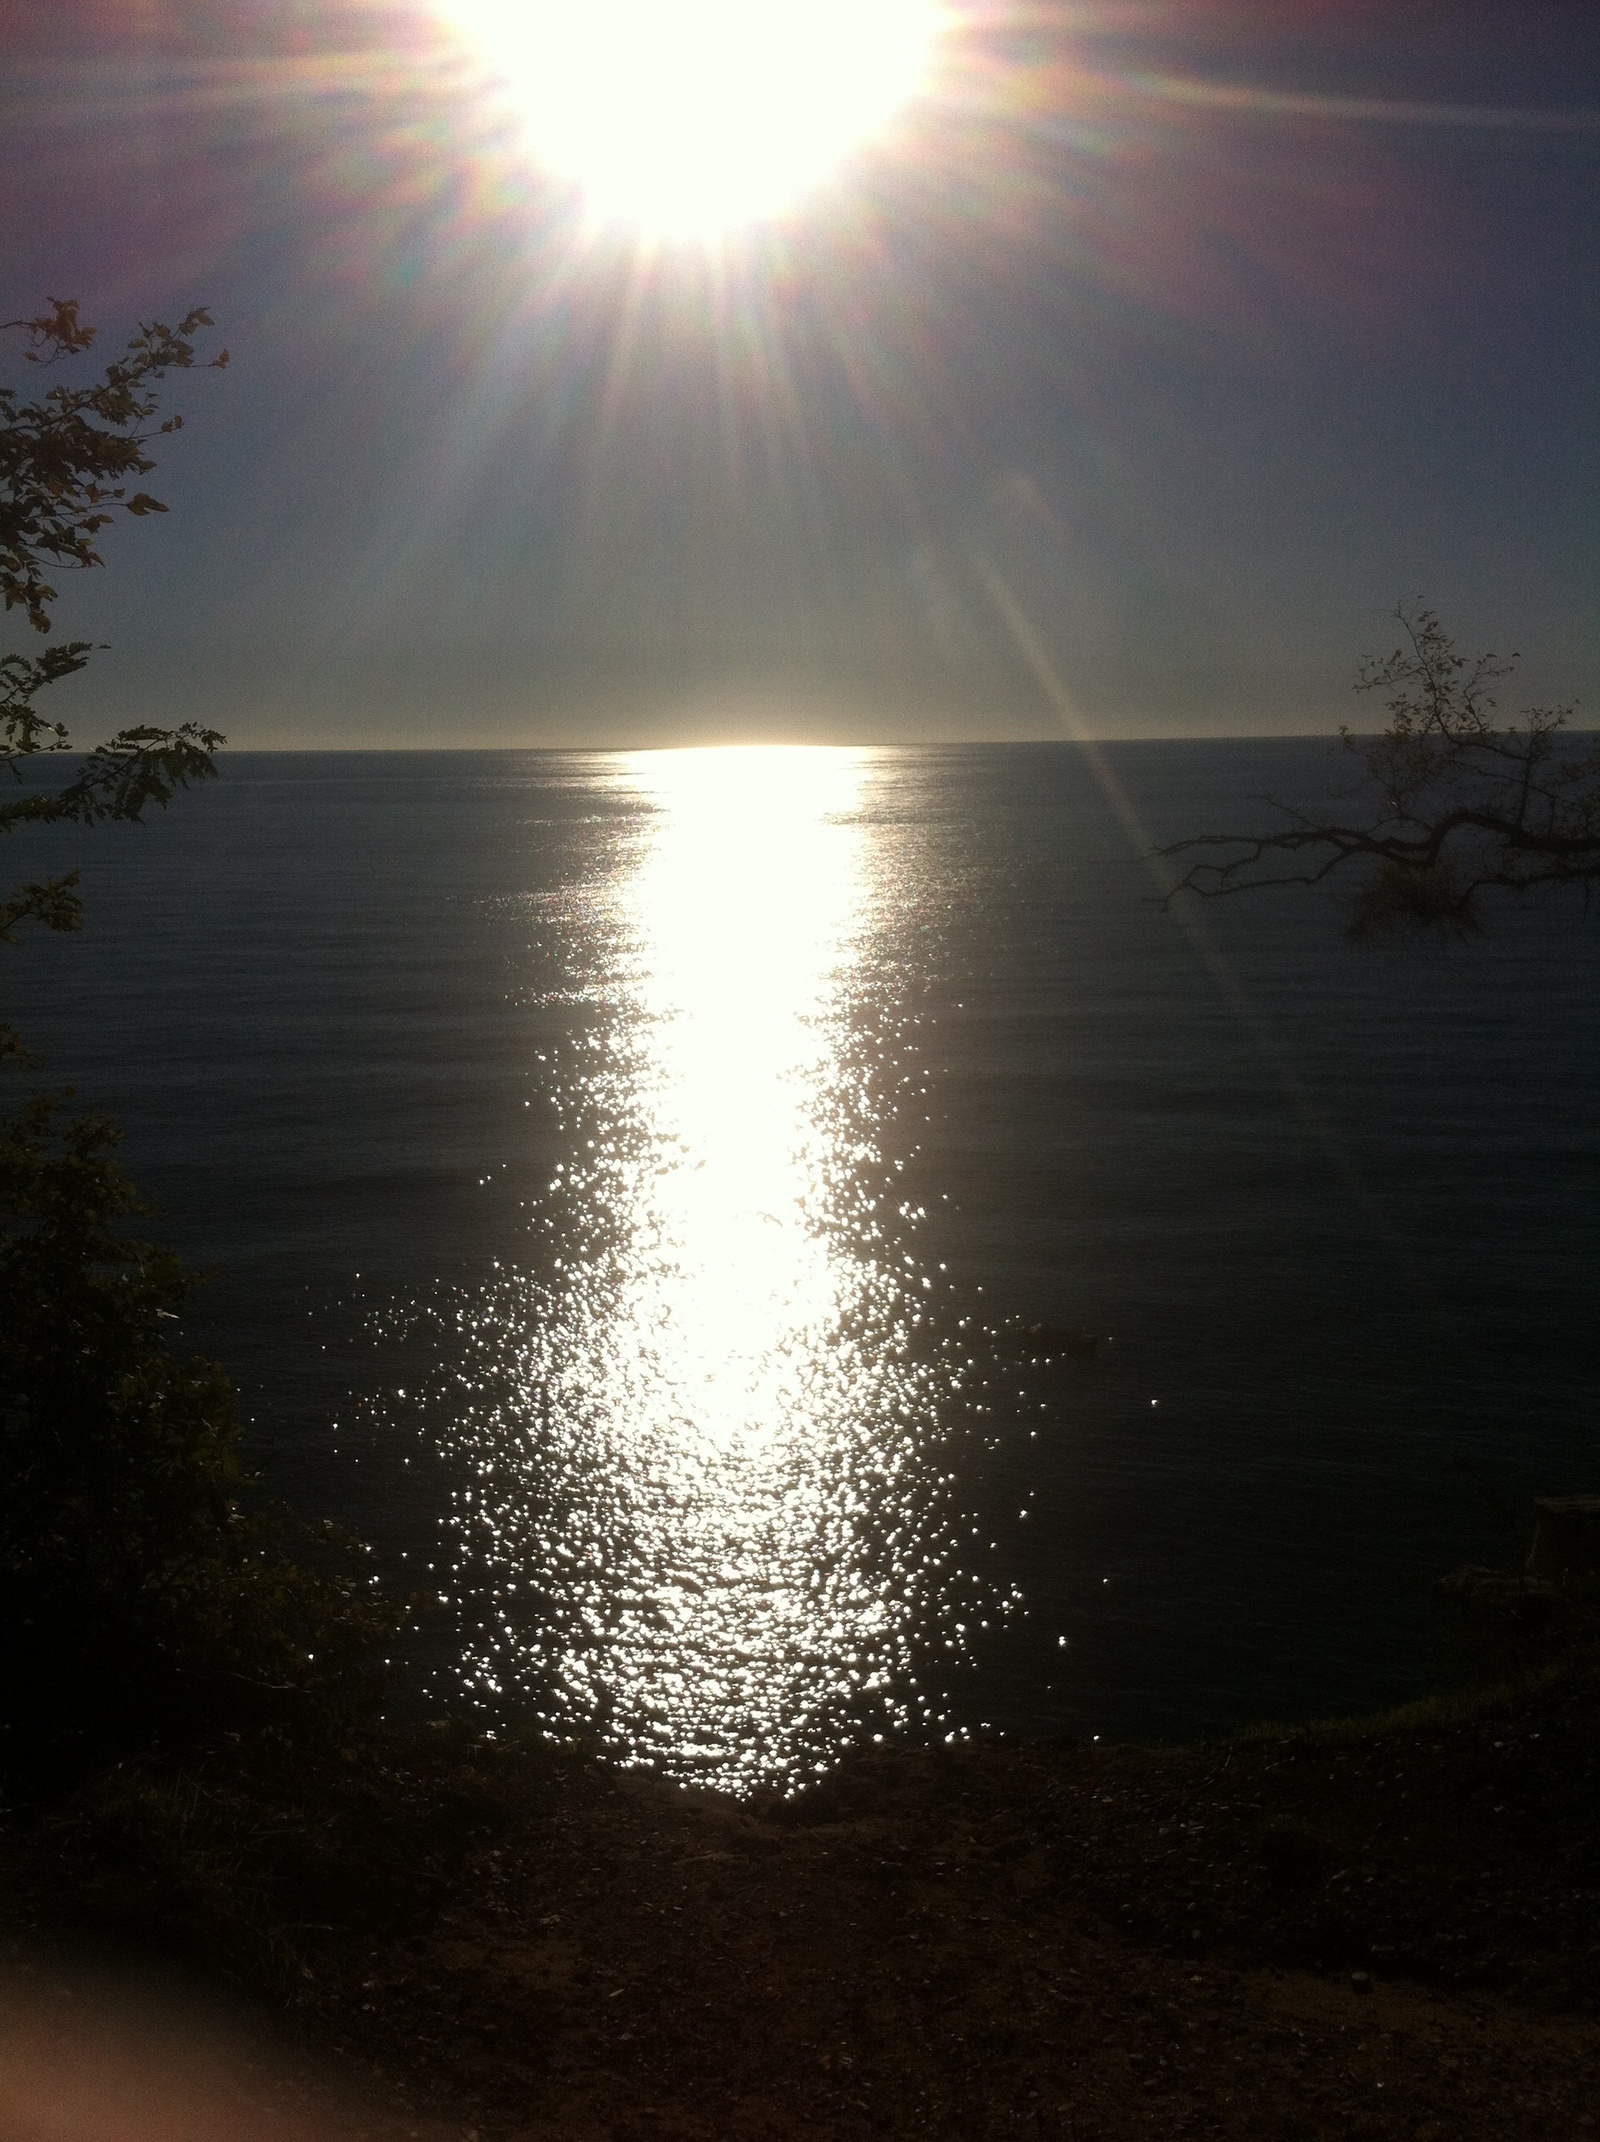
<point x="634" y="1184"/>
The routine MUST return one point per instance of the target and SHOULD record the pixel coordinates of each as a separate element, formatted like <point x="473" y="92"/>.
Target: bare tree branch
<point x="1458" y="807"/>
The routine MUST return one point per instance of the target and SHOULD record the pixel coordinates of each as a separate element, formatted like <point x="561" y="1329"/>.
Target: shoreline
<point x="1386" y="1926"/>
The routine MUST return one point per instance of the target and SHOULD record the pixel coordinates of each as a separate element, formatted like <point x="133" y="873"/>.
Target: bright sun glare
<point x="686" y="118"/>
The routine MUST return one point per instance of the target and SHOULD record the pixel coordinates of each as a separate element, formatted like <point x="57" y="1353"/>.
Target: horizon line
<point x="943" y="743"/>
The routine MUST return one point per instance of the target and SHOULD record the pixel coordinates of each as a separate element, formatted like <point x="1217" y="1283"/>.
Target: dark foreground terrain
<point x="1389" y="1929"/>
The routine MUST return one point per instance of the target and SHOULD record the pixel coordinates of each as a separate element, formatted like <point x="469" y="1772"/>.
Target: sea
<point x="783" y="1249"/>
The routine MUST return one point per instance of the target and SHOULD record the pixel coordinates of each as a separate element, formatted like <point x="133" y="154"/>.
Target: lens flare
<point x="685" y="121"/>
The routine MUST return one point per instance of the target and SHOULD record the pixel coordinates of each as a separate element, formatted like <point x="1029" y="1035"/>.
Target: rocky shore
<point x="1384" y="1929"/>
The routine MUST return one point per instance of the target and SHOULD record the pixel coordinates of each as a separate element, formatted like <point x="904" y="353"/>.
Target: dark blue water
<point x="627" y="1182"/>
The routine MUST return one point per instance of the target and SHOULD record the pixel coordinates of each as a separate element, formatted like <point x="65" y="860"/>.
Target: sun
<point x="688" y="118"/>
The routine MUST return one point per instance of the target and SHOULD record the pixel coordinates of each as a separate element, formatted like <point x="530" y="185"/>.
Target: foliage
<point x="1457" y="807"/>
<point x="138" y="1597"/>
<point x="66" y="460"/>
<point x="61" y="456"/>
<point x="136" y="1593"/>
<point x="241" y="1853"/>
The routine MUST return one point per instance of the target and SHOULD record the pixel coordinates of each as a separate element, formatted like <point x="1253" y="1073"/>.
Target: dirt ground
<point x="1392" y="1931"/>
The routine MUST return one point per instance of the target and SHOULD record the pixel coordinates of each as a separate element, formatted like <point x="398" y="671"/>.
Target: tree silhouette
<point x="1452" y="807"/>
<point x="68" y="460"/>
<point x="139" y="1596"/>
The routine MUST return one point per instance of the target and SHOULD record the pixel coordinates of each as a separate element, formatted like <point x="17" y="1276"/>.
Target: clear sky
<point x="1118" y="383"/>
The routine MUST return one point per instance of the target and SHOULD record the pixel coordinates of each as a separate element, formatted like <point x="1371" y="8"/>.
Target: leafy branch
<point x="67" y="460"/>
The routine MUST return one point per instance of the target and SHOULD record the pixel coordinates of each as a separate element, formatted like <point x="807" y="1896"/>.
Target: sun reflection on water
<point x="708" y="1513"/>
